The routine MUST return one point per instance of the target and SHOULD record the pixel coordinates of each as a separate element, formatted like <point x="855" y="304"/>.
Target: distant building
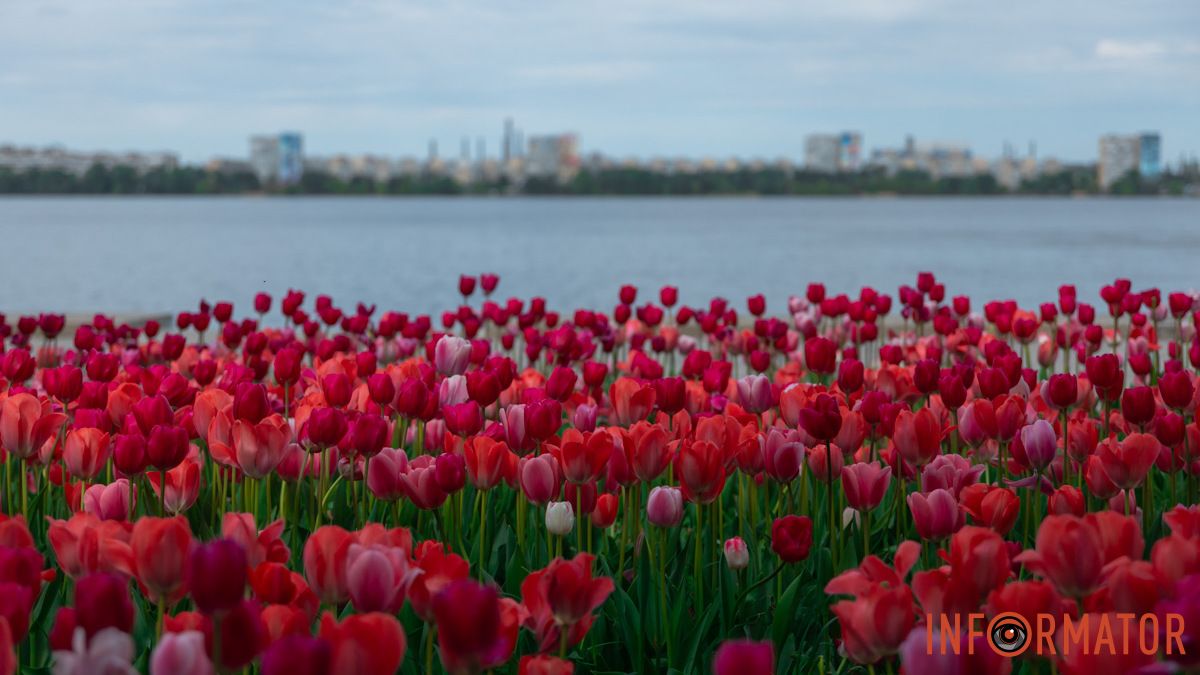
<point x="553" y="156"/>
<point x="77" y="163"/>
<point x="277" y="159"/>
<point x="291" y="158"/>
<point x="939" y="160"/>
<point x="1119" y="154"/>
<point x="1149" y="154"/>
<point x="831" y="153"/>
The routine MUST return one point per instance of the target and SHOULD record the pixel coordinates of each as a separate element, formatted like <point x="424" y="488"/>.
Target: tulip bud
<point x="737" y="556"/>
<point x="665" y="506"/>
<point x="604" y="514"/>
<point x="560" y="518"/>
<point x="102" y="601"/>
<point x="217" y="575"/>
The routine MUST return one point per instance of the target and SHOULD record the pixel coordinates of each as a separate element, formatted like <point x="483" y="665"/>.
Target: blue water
<point x="154" y="254"/>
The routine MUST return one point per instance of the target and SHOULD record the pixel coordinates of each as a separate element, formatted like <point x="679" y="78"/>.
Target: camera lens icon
<point x="1008" y="634"/>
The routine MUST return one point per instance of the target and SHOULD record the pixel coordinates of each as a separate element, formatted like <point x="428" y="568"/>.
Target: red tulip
<point x="160" y="549"/>
<point x="486" y="461"/>
<point x="166" y="446"/>
<point x="85" y="452"/>
<point x="298" y="655"/>
<point x="217" y="575"/>
<point x="993" y="507"/>
<point x="740" y="657"/>
<point x="605" y="512"/>
<point x="1068" y="554"/>
<point x="26" y="424"/>
<point x="700" y="469"/>
<point x="820" y="355"/>
<point x="821" y="418"/>
<point x="325" y="555"/>
<point x="182" y="486"/>
<point x="438" y="570"/>
<point x="1128" y="463"/>
<point x="1138" y="405"/>
<point x="472" y="631"/>
<point x="542" y="664"/>
<point x="647" y="453"/>
<point x="631" y="400"/>
<point x="918" y="437"/>
<point x="791" y="538"/>
<point x="562" y="596"/>
<point x="260" y="447"/>
<point x="584" y="456"/>
<point x="102" y="601"/>
<point x="875" y="624"/>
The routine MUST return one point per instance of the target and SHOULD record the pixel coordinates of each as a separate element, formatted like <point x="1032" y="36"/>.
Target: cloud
<point x="1125" y="50"/>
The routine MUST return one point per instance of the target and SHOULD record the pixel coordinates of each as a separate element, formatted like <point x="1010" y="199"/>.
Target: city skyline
<point x="644" y="79"/>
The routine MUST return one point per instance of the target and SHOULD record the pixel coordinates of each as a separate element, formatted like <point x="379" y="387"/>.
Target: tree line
<point x="126" y="180"/>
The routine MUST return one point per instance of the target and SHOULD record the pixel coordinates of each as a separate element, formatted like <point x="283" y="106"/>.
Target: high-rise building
<point x="277" y="159"/>
<point x="264" y="158"/>
<point x="831" y="153"/>
<point x="1119" y="155"/>
<point x="553" y="156"/>
<point x="821" y="152"/>
<point x="1149" y="154"/>
<point x="291" y="157"/>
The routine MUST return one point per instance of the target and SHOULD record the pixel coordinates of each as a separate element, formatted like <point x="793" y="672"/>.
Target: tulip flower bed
<point x="660" y="489"/>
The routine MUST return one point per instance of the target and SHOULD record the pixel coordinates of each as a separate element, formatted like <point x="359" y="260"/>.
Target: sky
<point x="697" y="78"/>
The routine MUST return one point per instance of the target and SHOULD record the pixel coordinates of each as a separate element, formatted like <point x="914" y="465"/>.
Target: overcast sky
<point x="742" y="78"/>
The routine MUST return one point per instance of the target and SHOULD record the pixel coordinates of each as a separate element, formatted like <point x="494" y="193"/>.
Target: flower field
<point x="833" y="486"/>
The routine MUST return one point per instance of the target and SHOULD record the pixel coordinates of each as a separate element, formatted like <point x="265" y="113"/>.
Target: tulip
<point x="161" y="548"/>
<point x="217" y="575"/>
<point x="470" y="627"/>
<point x="583" y="457"/>
<point x="783" y="454"/>
<point x="1040" y="444"/>
<point x="182" y="486"/>
<point x="377" y="577"/>
<point x="102" y="601"/>
<point x="791" y="538"/>
<point x="821" y="418"/>
<point x="250" y="403"/>
<point x="108" y="502"/>
<point x="1138" y="405"/>
<point x="260" y="447"/>
<point x="865" y="484"/>
<point x="741" y="657"/>
<point x="242" y="636"/>
<point x="26" y="425"/>
<point x="754" y="392"/>
<point x="539" y="479"/>
<point x="326" y="427"/>
<point x="109" y="651"/>
<point x="182" y="654"/>
<point x="1061" y="391"/>
<point x="85" y="452"/>
<point x="820" y="355"/>
<point x="464" y="419"/>
<point x="1068" y="554"/>
<point x="700" y="468"/>
<point x="166" y="446"/>
<point x="542" y="664"/>
<point x="665" y="506"/>
<point x="384" y="480"/>
<point x="452" y="355"/>
<point x="372" y="644"/>
<point x="631" y="401"/>
<point x="438" y="570"/>
<point x="935" y="515"/>
<point x="1176" y="389"/>
<point x="737" y="555"/>
<point x="1128" y="463"/>
<point x="297" y="655"/>
<point x="560" y="518"/>
<point x="648" y="454"/>
<point x="605" y="512"/>
<point x="918" y="436"/>
<point x="486" y="460"/>
<point x="325" y="557"/>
